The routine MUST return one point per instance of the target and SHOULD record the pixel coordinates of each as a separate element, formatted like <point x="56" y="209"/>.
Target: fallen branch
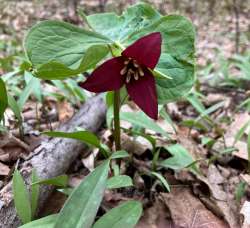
<point x="53" y="157"/>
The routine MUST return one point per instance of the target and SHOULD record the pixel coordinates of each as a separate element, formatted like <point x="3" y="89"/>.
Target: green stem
<point x="117" y="128"/>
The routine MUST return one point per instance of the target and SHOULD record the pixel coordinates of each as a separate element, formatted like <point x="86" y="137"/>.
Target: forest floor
<point x="212" y="124"/>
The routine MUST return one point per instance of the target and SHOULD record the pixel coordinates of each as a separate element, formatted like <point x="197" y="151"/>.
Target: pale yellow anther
<point x="136" y="75"/>
<point x="141" y="73"/>
<point x="124" y="70"/>
<point x="136" y="65"/>
<point x="128" y="78"/>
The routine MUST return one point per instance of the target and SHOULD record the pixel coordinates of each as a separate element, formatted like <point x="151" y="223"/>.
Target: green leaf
<point x="121" y="27"/>
<point x="60" y="181"/>
<point x="15" y="108"/>
<point x="241" y="132"/>
<point x="182" y="81"/>
<point x="36" y="82"/>
<point x="21" y="198"/>
<point x="181" y="158"/>
<point x="3" y="98"/>
<point x="66" y="191"/>
<point x="162" y="179"/>
<point x="177" y="56"/>
<point x="194" y="124"/>
<point x="240" y="191"/>
<point x="46" y="222"/>
<point x="248" y="150"/>
<point x="125" y="215"/>
<point x="120" y="154"/>
<point x="140" y="119"/>
<point x="59" y="71"/>
<point x="58" y="49"/>
<point x="34" y="193"/>
<point x="26" y="93"/>
<point x="82" y="205"/>
<point x="119" y="181"/>
<point x="84" y="136"/>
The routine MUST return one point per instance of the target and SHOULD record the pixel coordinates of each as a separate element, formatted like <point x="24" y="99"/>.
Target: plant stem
<point x="117" y="128"/>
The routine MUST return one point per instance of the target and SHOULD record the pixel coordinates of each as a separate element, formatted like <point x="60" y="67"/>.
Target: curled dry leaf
<point x="188" y="211"/>
<point x="219" y="201"/>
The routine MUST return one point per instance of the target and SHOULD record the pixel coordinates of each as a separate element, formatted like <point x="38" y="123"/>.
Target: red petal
<point x="106" y="77"/>
<point x="143" y="93"/>
<point x="146" y="50"/>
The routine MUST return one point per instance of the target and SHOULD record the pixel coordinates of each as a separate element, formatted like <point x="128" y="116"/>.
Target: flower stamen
<point x="131" y="69"/>
<point x="124" y="70"/>
<point x="141" y="73"/>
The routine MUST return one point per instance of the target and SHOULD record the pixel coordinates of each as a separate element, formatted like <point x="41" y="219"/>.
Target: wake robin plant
<point x="152" y="56"/>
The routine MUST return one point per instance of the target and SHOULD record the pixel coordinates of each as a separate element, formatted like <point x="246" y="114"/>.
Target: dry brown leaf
<point x="4" y="169"/>
<point x="156" y="216"/>
<point x="220" y="202"/>
<point x="245" y="211"/>
<point x="188" y="211"/>
<point x="240" y="119"/>
<point x="246" y="178"/>
<point x="65" y="110"/>
<point x="132" y="146"/>
<point x="89" y="161"/>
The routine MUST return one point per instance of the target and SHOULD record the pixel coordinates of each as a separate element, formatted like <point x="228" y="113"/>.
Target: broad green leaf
<point x="82" y="205"/>
<point x="120" y="154"/>
<point x="59" y="71"/>
<point x="180" y="158"/>
<point x="21" y="198"/>
<point x="177" y="57"/>
<point x="3" y="98"/>
<point x="119" y="181"/>
<point x="34" y="193"/>
<point x="142" y="120"/>
<point x="162" y="179"/>
<point x="121" y="27"/>
<point x="60" y="181"/>
<point x="46" y="222"/>
<point x="182" y="81"/>
<point x="84" y="136"/>
<point x="125" y="215"/>
<point x="58" y="49"/>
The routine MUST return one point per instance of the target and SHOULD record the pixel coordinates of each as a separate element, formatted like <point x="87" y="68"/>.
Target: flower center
<point x="131" y="69"/>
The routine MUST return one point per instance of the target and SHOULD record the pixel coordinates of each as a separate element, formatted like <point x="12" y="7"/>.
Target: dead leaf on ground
<point x="220" y="202"/>
<point x="65" y="110"/>
<point x="4" y="169"/>
<point x="245" y="211"/>
<point x="156" y="216"/>
<point x="187" y="211"/>
<point x="240" y="119"/>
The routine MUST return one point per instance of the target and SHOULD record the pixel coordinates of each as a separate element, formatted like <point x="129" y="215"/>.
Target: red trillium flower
<point x="132" y="69"/>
